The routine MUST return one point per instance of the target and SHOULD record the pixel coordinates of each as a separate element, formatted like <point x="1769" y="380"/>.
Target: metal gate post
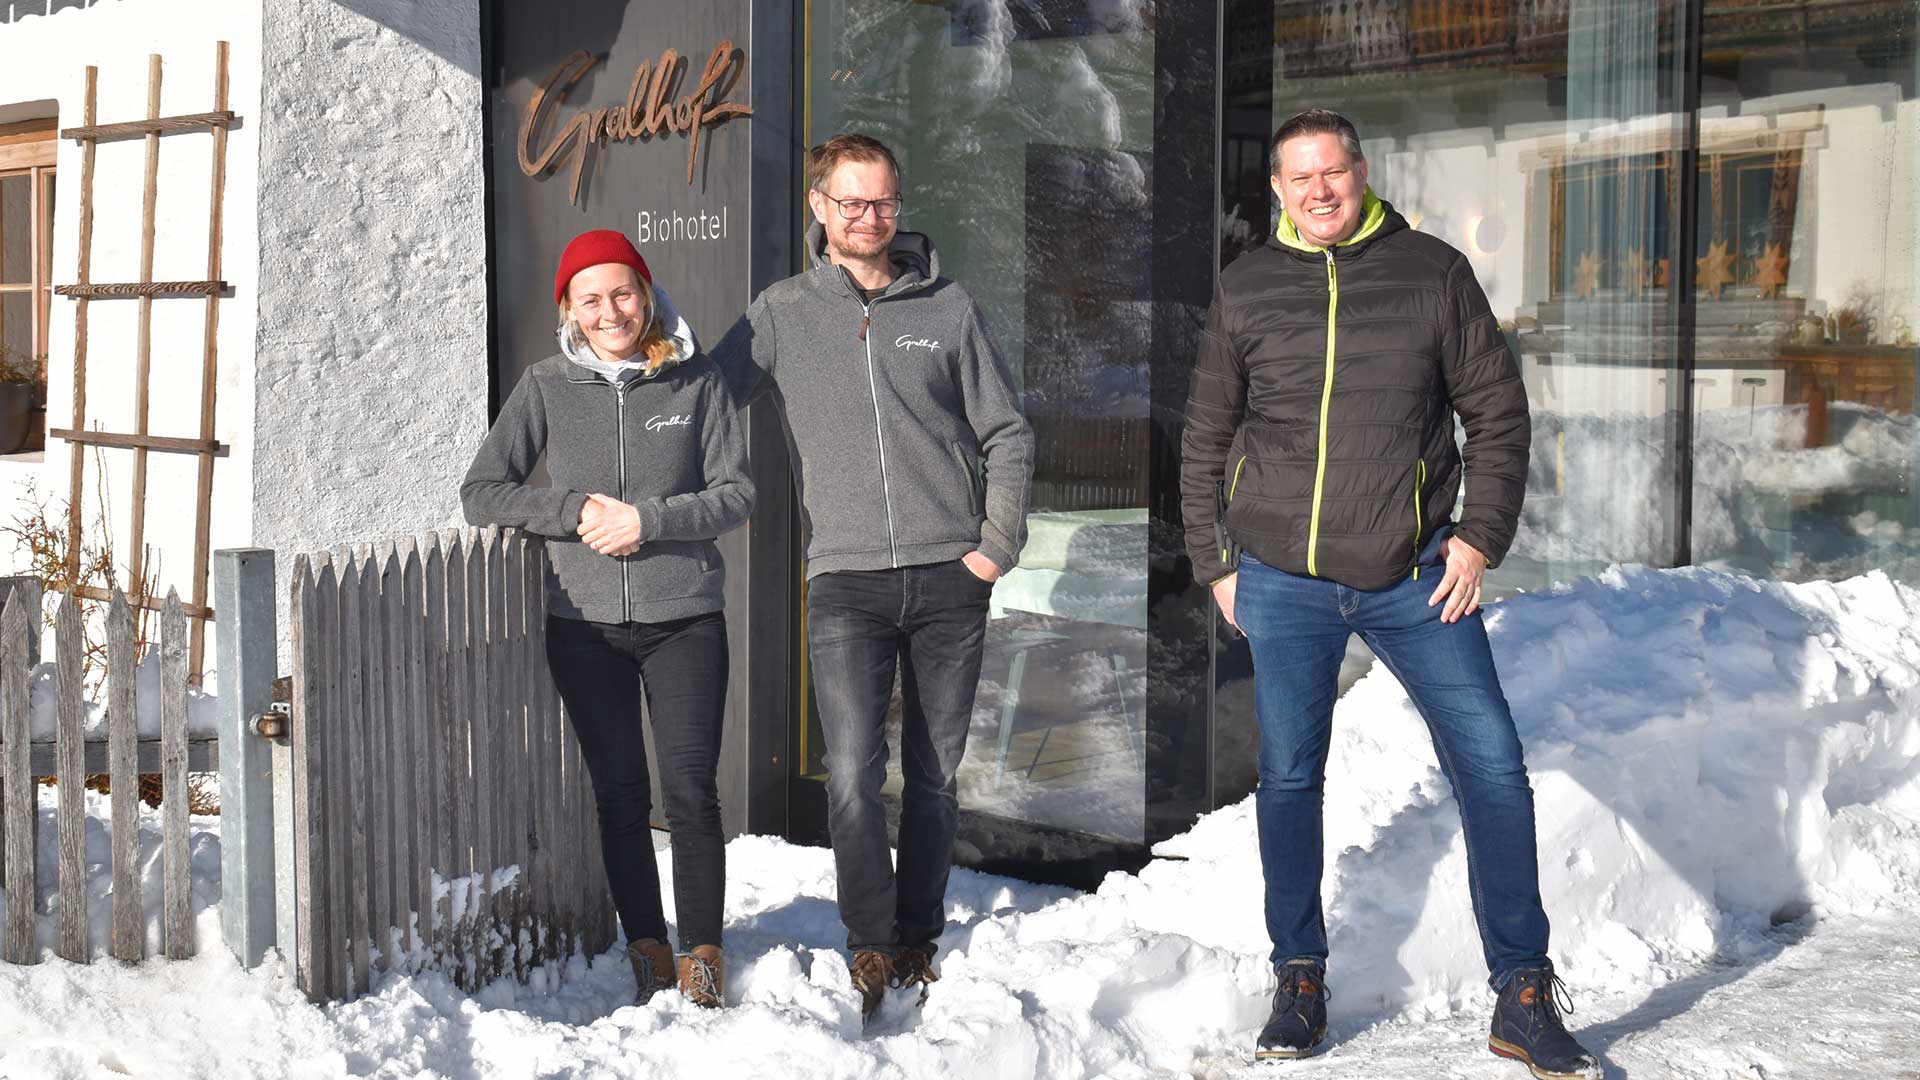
<point x="247" y="662"/>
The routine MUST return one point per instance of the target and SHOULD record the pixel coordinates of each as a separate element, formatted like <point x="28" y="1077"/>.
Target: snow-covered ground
<point x="1728" y="780"/>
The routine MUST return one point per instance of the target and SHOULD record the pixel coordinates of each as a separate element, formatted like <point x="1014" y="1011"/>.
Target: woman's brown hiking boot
<point x="703" y="976"/>
<point x="872" y="971"/>
<point x="652" y="961"/>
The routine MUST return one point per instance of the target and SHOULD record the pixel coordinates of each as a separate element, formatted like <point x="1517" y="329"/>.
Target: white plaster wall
<point x="46" y="57"/>
<point x="371" y="391"/>
<point x="1863" y="219"/>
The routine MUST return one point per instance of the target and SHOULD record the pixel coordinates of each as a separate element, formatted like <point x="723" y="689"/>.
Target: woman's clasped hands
<point x="609" y="526"/>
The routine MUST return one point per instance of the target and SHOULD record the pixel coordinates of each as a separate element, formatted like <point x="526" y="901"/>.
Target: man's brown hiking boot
<point x="652" y="961"/>
<point x="913" y="966"/>
<point x="872" y="971"/>
<point x="702" y="976"/>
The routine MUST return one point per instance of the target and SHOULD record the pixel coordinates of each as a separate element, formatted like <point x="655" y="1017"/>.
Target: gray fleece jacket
<point x="669" y="444"/>
<point x="906" y="434"/>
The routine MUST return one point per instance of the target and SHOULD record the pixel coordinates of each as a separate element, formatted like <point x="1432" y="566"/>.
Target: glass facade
<point x="1696" y="222"/>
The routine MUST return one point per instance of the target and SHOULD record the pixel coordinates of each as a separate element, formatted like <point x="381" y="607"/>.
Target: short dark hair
<point x="823" y="159"/>
<point x="1314" y="122"/>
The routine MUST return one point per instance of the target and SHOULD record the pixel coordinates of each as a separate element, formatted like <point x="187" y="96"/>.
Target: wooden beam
<point x="77" y="465"/>
<point x="142" y="289"/>
<point x="37" y="130"/>
<point x="209" y="363"/>
<point x="95" y="592"/>
<point x="164" y="443"/>
<point x="36" y="253"/>
<point x="28" y="155"/>
<point x="203" y="755"/>
<point x="151" y="127"/>
<point x="43" y="282"/>
<point x="143" y="334"/>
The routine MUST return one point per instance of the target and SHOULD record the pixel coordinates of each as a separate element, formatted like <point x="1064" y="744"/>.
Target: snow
<point x="203" y="703"/>
<point x="1728" y="781"/>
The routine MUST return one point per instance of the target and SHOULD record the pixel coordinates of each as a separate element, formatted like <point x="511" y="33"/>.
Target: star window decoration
<point x="1714" y="270"/>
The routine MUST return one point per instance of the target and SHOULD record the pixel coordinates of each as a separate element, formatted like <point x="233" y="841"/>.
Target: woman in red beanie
<point x="647" y="465"/>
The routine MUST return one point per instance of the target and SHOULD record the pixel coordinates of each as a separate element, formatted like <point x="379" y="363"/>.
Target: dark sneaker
<point x="1527" y="1028"/>
<point x="872" y="970"/>
<point x="913" y="966"/>
<point x="1299" y="1018"/>
<point x="652" y="962"/>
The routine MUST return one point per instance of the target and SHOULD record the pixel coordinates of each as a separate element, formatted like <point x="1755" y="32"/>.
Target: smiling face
<point x="613" y="307"/>
<point x="867" y="236"/>
<point x="1322" y="187"/>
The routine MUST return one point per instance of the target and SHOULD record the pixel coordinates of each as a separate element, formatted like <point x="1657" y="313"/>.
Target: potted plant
<point x="19" y="384"/>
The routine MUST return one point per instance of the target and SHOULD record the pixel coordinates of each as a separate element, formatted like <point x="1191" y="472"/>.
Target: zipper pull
<point x="866" y="317"/>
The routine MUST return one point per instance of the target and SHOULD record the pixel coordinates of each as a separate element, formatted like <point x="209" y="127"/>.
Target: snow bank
<point x="203" y="856"/>
<point x="1711" y="755"/>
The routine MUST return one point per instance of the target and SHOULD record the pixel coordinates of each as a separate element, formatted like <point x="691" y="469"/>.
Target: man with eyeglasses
<point x="913" y="461"/>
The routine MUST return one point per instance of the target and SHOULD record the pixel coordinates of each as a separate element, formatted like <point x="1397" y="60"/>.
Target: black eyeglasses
<point x="855" y="209"/>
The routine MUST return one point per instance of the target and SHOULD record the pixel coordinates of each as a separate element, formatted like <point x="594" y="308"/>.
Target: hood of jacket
<point x="912" y="253"/>
<point x="679" y="332"/>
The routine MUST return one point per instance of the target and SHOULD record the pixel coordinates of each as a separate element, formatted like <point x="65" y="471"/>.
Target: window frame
<point x="28" y="149"/>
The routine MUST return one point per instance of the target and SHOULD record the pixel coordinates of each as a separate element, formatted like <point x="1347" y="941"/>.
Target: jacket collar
<point x="913" y="255"/>
<point x="1378" y="218"/>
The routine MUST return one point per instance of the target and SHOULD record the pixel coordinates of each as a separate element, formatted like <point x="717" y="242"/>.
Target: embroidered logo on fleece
<point x="910" y="343"/>
<point x="659" y="422"/>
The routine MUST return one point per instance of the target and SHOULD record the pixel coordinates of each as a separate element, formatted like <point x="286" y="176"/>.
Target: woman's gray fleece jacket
<point x="669" y="444"/>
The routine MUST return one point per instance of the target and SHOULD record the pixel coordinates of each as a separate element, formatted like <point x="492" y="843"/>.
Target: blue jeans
<point x="1298" y="628"/>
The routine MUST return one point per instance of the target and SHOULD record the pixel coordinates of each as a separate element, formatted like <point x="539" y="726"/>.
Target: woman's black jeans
<point x="681" y="666"/>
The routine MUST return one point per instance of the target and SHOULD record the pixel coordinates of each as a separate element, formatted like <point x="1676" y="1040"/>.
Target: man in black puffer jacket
<point x="1318" y="483"/>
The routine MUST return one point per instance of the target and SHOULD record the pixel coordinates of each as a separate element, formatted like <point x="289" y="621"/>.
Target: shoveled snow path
<point x="1833" y="1001"/>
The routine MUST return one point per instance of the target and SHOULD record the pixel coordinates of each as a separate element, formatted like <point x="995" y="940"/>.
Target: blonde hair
<point x="655" y="344"/>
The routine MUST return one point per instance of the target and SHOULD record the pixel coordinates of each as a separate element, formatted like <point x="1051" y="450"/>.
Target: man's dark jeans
<point x="931" y="622"/>
<point x="1298" y="628"/>
<point x="600" y="670"/>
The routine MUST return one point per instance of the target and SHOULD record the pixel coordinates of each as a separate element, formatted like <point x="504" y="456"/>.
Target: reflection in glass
<point x="1805" y="434"/>
<point x="1024" y="133"/>
<point x="1702" y="249"/>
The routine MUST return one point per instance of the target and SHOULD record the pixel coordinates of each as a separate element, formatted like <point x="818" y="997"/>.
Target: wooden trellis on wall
<point x="141" y="441"/>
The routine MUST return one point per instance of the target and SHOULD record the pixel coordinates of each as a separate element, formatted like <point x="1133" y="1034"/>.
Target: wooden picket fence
<point x="441" y="816"/>
<point x="71" y="756"/>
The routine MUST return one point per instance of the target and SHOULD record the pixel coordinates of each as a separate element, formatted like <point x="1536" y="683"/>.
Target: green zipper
<point x="1326" y="403"/>
<point x="1419" y="481"/>
<point x="1235" y="486"/>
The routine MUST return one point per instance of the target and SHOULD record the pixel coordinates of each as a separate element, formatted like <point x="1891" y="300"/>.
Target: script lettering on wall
<point x="650" y="109"/>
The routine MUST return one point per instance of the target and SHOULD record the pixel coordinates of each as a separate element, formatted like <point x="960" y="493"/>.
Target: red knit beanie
<point x="592" y="249"/>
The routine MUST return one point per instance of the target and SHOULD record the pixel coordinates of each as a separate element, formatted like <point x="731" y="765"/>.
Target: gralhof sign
<point x="650" y="109"/>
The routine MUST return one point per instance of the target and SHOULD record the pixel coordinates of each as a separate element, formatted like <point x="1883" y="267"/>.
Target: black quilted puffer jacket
<point x="1319" y="425"/>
